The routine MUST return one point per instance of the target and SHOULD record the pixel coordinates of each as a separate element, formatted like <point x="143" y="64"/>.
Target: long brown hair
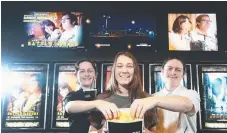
<point x="135" y="86"/>
<point x="178" y="21"/>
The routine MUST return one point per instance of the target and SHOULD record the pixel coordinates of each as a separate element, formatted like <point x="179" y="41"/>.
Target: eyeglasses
<point x="208" y="21"/>
<point x="63" y="20"/>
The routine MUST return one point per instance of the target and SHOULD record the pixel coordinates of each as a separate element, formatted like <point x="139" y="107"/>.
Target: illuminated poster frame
<point x="207" y="77"/>
<point x="25" y="102"/>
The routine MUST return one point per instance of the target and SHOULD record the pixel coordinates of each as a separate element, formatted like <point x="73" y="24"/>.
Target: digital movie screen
<point x="214" y="84"/>
<point x="123" y="31"/>
<point x="106" y="73"/>
<point x="26" y="96"/>
<point x="157" y="80"/>
<point x="192" y="32"/>
<point x="65" y="82"/>
<point x="54" y="29"/>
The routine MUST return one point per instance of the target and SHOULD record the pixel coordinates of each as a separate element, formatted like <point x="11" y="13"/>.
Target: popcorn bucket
<point x="125" y="124"/>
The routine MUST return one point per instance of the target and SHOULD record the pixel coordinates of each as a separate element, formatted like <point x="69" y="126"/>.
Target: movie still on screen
<point x="192" y="32"/>
<point x="54" y="29"/>
<point x="123" y="31"/>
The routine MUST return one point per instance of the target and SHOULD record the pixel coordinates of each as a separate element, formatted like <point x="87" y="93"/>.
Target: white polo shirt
<point x="210" y="41"/>
<point x="186" y="123"/>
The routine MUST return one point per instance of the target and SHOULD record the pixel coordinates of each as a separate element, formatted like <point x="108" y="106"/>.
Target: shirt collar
<point x="85" y="88"/>
<point x="200" y="33"/>
<point x="176" y="91"/>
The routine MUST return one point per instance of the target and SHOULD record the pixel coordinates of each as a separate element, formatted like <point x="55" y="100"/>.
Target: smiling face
<point x="86" y="74"/>
<point x="49" y="29"/>
<point x="173" y="72"/>
<point x="204" y="23"/>
<point x="124" y="70"/>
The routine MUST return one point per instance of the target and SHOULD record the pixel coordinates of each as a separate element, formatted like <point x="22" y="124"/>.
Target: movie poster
<point x="26" y="96"/>
<point x="106" y="73"/>
<point x="157" y="81"/>
<point x="214" y="82"/>
<point x="192" y="32"/>
<point x="54" y="29"/>
<point x="65" y="82"/>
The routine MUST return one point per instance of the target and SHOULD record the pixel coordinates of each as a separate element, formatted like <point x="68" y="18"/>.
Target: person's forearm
<point x="79" y="106"/>
<point x="174" y="103"/>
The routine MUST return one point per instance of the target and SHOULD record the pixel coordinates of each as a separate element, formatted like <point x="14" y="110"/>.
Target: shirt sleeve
<point x="72" y="96"/>
<point x="150" y="118"/>
<point x="96" y="118"/>
<point x="195" y="99"/>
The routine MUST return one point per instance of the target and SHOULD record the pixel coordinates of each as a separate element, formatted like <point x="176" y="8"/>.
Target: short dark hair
<point x="176" y="58"/>
<point x="86" y="60"/>
<point x="199" y="18"/>
<point x="47" y="22"/>
<point x="178" y="21"/>
<point x="72" y="17"/>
